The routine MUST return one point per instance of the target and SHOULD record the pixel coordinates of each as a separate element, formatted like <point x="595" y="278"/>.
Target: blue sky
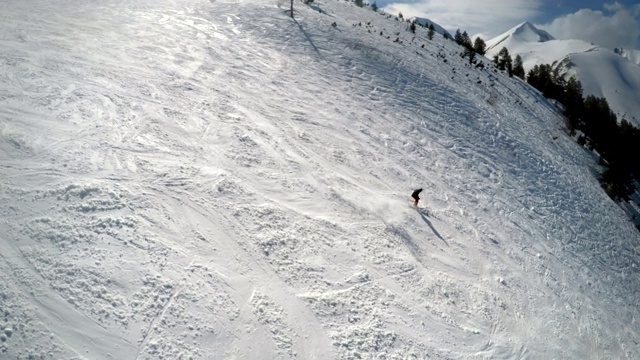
<point x="608" y="24"/>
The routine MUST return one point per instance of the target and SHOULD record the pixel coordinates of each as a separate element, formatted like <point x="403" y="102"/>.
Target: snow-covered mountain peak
<point x="527" y="31"/>
<point x="523" y="33"/>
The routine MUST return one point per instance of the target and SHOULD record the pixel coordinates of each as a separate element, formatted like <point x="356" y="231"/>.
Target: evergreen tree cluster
<point x="616" y="143"/>
<point x="431" y="30"/>
<point x="412" y="27"/>
<point x="462" y="39"/>
<point x="518" y="68"/>
<point x="470" y="49"/>
<point x="479" y="46"/>
<point x="503" y="61"/>
<point x="548" y="81"/>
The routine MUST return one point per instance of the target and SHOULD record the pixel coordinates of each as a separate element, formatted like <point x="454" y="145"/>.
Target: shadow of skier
<point x="408" y="241"/>
<point x="426" y="220"/>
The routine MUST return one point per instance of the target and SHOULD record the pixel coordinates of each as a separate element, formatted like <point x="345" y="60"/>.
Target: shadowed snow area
<point x="214" y="180"/>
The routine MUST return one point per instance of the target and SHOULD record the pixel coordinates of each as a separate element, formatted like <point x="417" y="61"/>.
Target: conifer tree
<point x="431" y="31"/>
<point x="518" y="69"/>
<point x="466" y="41"/>
<point x="479" y="46"/>
<point x="458" y="37"/>
<point x="374" y="7"/>
<point x="504" y="59"/>
<point x="573" y="102"/>
<point x="468" y="51"/>
<point x="509" y="65"/>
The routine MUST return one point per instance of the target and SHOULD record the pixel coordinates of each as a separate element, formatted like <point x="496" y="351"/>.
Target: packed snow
<point x="190" y="179"/>
<point x="602" y="72"/>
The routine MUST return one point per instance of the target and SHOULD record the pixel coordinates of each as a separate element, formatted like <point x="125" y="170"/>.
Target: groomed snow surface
<point x="213" y="180"/>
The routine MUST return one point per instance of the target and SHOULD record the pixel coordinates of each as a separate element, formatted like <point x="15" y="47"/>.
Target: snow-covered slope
<point x="214" y="180"/>
<point x="601" y="72"/>
<point x="616" y="79"/>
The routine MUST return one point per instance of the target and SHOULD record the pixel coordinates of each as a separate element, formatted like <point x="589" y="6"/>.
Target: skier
<point x="415" y="197"/>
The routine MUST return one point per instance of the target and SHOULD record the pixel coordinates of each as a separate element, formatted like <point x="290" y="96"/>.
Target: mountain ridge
<point x="620" y="86"/>
<point x="523" y="32"/>
<point x="422" y="21"/>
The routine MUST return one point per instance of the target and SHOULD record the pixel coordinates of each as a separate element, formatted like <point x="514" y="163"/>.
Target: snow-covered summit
<point x="523" y="33"/>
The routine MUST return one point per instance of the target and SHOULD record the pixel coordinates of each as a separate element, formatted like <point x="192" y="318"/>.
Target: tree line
<point x="502" y="59"/>
<point x="470" y="49"/>
<point x="615" y="142"/>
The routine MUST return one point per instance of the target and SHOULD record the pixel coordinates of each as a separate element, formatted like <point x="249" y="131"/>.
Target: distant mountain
<point x="523" y="33"/>
<point x="425" y="22"/>
<point x="602" y="72"/>
<point x="631" y="55"/>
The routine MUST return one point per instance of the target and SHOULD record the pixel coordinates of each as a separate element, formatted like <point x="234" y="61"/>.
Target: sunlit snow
<point x="215" y="180"/>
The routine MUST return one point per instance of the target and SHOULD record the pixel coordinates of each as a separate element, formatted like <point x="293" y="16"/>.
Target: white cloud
<point x="616" y="6"/>
<point x="486" y="18"/>
<point x="619" y="28"/>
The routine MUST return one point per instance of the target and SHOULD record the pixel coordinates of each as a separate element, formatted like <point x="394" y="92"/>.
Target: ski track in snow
<point x="212" y="179"/>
